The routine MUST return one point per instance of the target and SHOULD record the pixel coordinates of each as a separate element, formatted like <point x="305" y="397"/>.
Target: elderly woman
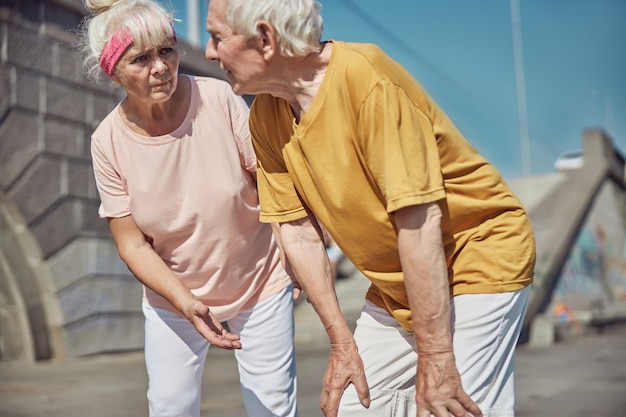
<point x="344" y="134"/>
<point x="176" y="173"/>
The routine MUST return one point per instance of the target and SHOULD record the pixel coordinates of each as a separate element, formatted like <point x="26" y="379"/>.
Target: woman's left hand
<point x="208" y="326"/>
<point x="297" y="288"/>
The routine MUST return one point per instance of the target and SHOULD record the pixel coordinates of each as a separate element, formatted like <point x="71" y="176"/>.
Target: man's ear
<point x="268" y="41"/>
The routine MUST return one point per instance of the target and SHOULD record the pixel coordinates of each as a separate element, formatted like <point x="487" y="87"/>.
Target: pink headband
<point x="114" y="49"/>
<point x="116" y="46"/>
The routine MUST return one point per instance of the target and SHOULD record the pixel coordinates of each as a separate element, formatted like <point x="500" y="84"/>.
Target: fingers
<point x="296" y="293"/>
<point x="329" y="402"/>
<point x="226" y="343"/>
<point x="345" y="367"/>
<point x="461" y="406"/>
<point x="223" y="340"/>
<point x="362" y="391"/>
<point x="469" y="405"/>
<point x="453" y="409"/>
<point x="230" y="336"/>
<point x="423" y="412"/>
<point x="211" y="329"/>
<point x="330" y="397"/>
<point x="219" y="337"/>
<point x="336" y="379"/>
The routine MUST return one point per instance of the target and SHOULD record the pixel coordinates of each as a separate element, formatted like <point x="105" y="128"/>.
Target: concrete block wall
<point x="48" y="111"/>
<point x="16" y="341"/>
<point x="100" y="301"/>
<point x="63" y="289"/>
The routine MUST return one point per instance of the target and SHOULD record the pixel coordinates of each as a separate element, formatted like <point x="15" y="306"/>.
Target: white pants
<point x="485" y="327"/>
<point x="175" y="355"/>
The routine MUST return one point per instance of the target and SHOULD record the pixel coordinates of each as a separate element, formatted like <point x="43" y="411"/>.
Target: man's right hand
<point x="344" y="367"/>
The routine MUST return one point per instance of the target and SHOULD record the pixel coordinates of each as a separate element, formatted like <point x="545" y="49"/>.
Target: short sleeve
<point x="277" y="194"/>
<point x="400" y="148"/>
<point x="114" y="201"/>
<point x="239" y="114"/>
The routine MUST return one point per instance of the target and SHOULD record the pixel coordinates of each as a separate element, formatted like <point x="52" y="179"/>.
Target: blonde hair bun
<point x="101" y="6"/>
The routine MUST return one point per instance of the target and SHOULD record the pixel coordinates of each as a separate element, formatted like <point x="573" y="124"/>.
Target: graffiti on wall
<point x="594" y="274"/>
<point x="580" y="284"/>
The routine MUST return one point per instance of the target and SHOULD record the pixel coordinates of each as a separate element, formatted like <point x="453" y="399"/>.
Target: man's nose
<point x="210" y="52"/>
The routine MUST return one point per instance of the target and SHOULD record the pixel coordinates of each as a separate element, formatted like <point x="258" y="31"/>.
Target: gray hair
<point x="147" y="20"/>
<point x="298" y="23"/>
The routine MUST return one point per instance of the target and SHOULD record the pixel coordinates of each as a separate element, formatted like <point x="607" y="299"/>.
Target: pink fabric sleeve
<point x="239" y="114"/>
<point x="113" y="195"/>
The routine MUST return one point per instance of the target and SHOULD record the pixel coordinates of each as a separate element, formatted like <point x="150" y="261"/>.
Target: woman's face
<point x="149" y="74"/>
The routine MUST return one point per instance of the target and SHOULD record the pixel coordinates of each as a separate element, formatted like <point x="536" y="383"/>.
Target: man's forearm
<point x="307" y="256"/>
<point x="426" y="278"/>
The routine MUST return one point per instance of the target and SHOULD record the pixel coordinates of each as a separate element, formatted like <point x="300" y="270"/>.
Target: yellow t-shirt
<point x="372" y="142"/>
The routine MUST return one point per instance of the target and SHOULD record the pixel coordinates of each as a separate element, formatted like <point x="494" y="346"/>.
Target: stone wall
<point x="60" y="274"/>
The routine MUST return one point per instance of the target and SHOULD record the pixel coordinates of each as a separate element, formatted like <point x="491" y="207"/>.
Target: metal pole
<point x="193" y="24"/>
<point x="521" y="87"/>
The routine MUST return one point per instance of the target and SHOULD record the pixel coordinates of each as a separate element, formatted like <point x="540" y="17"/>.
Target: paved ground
<point x="583" y="376"/>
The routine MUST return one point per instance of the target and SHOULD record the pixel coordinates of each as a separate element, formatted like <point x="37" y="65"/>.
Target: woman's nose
<point x="159" y="66"/>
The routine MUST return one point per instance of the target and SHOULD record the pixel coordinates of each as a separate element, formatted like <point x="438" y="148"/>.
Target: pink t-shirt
<point x="193" y="194"/>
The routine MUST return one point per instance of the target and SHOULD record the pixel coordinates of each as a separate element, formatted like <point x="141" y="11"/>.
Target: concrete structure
<point x="63" y="290"/>
<point x="579" y="219"/>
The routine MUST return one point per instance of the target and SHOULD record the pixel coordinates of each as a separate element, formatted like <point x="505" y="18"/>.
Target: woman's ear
<point x="268" y="41"/>
<point x="115" y="79"/>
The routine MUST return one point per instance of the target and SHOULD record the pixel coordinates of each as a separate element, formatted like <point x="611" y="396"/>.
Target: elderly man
<point x="344" y="135"/>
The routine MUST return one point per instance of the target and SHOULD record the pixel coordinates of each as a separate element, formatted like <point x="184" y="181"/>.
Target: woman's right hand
<point x="208" y="326"/>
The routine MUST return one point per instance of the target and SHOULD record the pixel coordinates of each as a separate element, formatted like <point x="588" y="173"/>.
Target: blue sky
<point x="574" y="56"/>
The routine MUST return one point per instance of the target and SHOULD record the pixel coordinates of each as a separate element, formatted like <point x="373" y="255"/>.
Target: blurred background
<point x="520" y="78"/>
<point x="538" y="87"/>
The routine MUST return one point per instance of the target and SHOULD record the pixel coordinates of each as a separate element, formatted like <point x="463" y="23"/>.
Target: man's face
<point x="239" y="57"/>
